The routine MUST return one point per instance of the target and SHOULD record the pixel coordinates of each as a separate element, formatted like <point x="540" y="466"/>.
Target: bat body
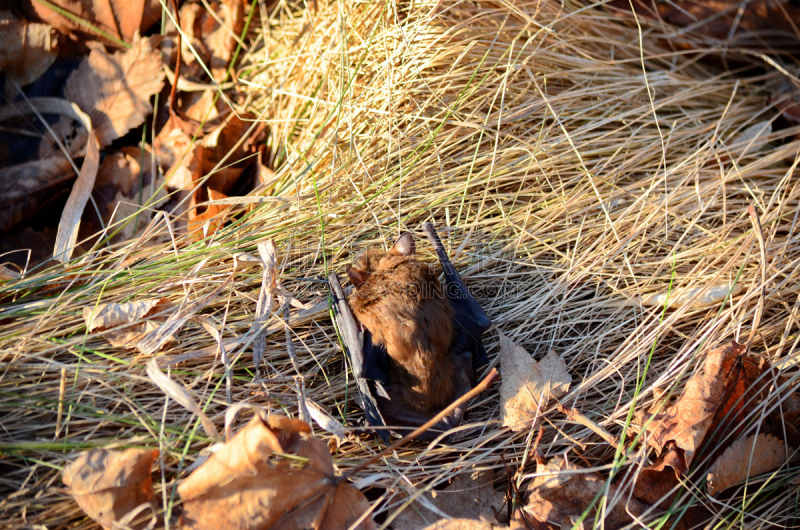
<point x="401" y="302"/>
<point x="414" y="343"/>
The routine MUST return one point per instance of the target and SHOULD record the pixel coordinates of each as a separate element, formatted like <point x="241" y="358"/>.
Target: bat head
<point x="367" y="261"/>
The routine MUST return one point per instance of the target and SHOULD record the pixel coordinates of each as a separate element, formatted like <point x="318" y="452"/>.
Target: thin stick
<point x="762" y="247"/>
<point x="492" y="377"/>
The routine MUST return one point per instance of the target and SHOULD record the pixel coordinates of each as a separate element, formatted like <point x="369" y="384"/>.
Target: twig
<point x="492" y="377"/>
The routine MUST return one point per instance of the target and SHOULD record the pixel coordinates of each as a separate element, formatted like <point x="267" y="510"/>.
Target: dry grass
<point x="564" y="182"/>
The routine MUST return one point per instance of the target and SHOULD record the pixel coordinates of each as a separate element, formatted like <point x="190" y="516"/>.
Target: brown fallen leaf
<point x="127" y="317"/>
<point x="655" y="483"/>
<point x="561" y="492"/>
<point x="212" y="35"/>
<point x="26" y="50"/>
<point x="121" y="19"/>
<point x="470" y="496"/>
<point x="115" y="90"/>
<point x="528" y="385"/>
<point x="27" y="188"/>
<point x="108" y="485"/>
<point x="272" y="475"/>
<point x="746" y="457"/>
<point x="207" y="223"/>
<point x="686" y="422"/>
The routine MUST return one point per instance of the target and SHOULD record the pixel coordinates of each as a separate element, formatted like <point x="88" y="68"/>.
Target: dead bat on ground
<point x="413" y="343"/>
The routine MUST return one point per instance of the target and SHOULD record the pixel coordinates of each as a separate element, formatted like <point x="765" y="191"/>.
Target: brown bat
<point x="400" y="300"/>
<point x="416" y="342"/>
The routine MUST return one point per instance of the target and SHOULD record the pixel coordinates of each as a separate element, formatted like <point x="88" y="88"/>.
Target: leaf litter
<point x="109" y="485"/>
<point x="686" y="435"/>
<point x="124" y="323"/>
<point x="271" y="475"/>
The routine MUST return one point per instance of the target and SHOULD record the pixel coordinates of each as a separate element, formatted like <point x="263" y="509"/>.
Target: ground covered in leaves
<point x="617" y="190"/>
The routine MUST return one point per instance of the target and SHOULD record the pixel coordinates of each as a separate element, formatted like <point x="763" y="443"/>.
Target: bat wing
<point x="471" y="321"/>
<point x="366" y="362"/>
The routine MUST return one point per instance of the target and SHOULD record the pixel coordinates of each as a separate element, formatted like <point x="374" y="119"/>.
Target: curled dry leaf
<point x="562" y="491"/>
<point x="70" y="221"/>
<point x="105" y="316"/>
<point x="470" y="496"/>
<point x="108" y="485"/>
<point x="528" y="385"/>
<point x="272" y="475"/>
<point x="686" y="422"/>
<point x="746" y="457"/>
<point x="121" y="19"/>
<point x="127" y="316"/>
<point x="26" y="50"/>
<point x="115" y="90"/>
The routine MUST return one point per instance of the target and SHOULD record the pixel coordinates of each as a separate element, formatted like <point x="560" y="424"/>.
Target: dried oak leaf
<point x="121" y="19"/>
<point x="746" y="457"/>
<point x="127" y="317"/>
<point x="686" y="422"/>
<point x="561" y="492"/>
<point x="115" y="90"/>
<point x="108" y="485"/>
<point x="470" y="496"/>
<point x="527" y="385"/>
<point x="272" y="475"/>
<point x="26" y="49"/>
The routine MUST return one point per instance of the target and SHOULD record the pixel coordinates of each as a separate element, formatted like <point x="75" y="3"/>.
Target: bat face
<point x="414" y="344"/>
<point x="401" y="302"/>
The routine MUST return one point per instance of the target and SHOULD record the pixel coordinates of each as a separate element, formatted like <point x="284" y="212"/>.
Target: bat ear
<point x="357" y="276"/>
<point x="404" y="245"/>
